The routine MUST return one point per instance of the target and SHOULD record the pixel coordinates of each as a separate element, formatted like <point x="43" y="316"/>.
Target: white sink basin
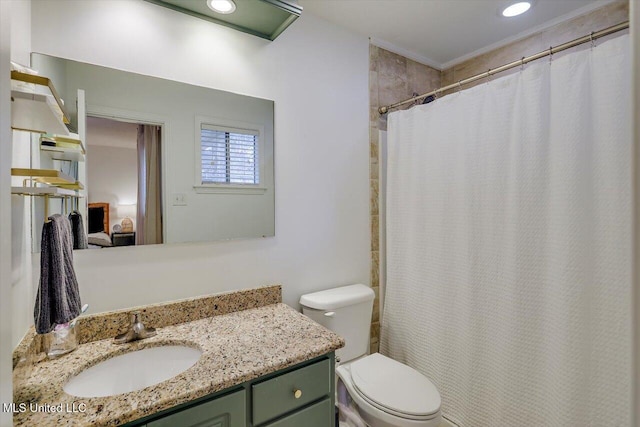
<point x="132" y="371"/>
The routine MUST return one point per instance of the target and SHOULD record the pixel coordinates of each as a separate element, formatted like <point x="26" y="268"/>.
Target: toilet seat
<point x="395" y="413"/>
<point x="395" y="388"/>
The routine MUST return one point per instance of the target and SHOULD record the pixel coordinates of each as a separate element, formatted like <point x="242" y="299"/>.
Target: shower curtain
<point x="509" y="244"/>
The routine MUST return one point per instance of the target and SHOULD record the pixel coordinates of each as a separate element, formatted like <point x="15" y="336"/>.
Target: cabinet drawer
<point x="277" y="396"/>
<point x="225" y="411"/>
<point x="317" y="415"/>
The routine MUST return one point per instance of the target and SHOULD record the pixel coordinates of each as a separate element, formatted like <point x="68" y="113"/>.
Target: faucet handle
<point x="137" y="330"/>
<point x="135" y="317"/>
<point x="138" y="327"/>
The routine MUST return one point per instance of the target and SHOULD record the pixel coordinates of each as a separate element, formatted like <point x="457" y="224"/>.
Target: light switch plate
<point x="179" y="199"/>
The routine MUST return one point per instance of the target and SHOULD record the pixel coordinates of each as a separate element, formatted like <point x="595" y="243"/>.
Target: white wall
<point x="634" y="15"/>
<point x="21" y="277"/>
<point x="5" y="211"/>
<point x="317" y="75"/>
<point x="15" y="262"/>
<point x="112" y="177"/>
<point x="111" y="133"/>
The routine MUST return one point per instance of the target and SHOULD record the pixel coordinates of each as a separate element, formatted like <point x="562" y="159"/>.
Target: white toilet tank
<point x="347" y="312"/>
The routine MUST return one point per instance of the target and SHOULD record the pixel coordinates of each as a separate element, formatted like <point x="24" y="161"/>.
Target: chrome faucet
<point x="137" y="331"/>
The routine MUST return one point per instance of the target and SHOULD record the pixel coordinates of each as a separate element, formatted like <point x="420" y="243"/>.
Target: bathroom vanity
<point x="298" y="396"/>
<point x="262" y="364"/>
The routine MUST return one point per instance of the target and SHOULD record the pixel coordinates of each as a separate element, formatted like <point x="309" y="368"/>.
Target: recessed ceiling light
<point x="516" y="9"/>
<point x="222" y="6"/>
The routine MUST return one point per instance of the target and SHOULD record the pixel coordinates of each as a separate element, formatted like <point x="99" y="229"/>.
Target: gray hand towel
<point x="77" y="231"/>
<point x="58" y="299"/>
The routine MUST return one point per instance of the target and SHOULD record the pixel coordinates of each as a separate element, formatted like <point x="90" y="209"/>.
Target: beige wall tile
<point x="391" y="64"/>
<point x="375" y="316"/>
<point x="375" y="270"/>
<point x="421" y="78"/>
<point x="373" y="57"/>
<point x="392" y="89"/>
<point x="374" y="170"/>
<point x="374" y="116"/>
<point x="373" y="346"/>
<point x="375" y="330"/>
<point x="447" y="76"/>
<point x="373" y="151"/>
<point x="374" y="196"/>
<point x="373" y="89"/>
<point x="375" y="240"/>
<point x="374" y="144"/>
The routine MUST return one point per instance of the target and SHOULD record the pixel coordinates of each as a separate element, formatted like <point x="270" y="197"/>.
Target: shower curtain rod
<point x="524" y="60"/>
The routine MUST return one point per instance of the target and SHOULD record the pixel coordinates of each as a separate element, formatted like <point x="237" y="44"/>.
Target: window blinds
<point x="229" y="156"/>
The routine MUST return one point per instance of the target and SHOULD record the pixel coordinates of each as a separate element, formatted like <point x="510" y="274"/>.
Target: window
<point x="229" y="156"/>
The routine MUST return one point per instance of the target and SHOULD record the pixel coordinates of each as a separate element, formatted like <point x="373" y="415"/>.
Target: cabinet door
<point x="317" y="415"/>
<point x="225" y="411"/>
<point x="288" y="392"/>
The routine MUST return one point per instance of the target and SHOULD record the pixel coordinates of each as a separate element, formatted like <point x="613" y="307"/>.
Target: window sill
<point x="229" y="189"/>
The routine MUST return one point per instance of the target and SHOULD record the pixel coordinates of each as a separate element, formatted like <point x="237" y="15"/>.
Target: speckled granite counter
<point x="236" y="347"/>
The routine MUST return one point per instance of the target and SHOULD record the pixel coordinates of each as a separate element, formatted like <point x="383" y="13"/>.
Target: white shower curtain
<point x="509" y="244"/>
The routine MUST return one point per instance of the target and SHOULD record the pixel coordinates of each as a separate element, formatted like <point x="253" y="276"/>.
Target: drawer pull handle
<point x="297" y="393"/>
<point x="329" y="313"/>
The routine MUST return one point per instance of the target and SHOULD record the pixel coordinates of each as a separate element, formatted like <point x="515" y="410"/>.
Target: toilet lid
<point x="395" y="386"/>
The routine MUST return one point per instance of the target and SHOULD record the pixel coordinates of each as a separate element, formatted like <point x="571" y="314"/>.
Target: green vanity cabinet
<point x="224" y="411"/>
<point x="287" y="392"/>
<point x="299" y="396"/>
<point x="316" y="415"/>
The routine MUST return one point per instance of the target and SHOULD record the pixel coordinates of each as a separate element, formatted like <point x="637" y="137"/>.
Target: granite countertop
<point x="236" y="347"/>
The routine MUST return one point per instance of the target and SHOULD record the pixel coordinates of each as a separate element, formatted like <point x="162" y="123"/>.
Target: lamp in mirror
<point x="127" y="213"/>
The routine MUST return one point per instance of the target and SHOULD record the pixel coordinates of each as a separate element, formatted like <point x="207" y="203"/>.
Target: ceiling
<point x="441" y="33"/>
<point x="111" y="133"/>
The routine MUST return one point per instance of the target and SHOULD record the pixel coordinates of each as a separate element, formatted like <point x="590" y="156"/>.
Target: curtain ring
<point x="417" y="101"/>
<point x="550" y="54"/>
<point x="488" y="75"/>
<point x="459" y="86"/>
<point x="522" y="64"/>
<point x="593" y="41"/>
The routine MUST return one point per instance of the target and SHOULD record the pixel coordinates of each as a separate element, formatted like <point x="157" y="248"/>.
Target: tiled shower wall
<point x="394" y="78"/>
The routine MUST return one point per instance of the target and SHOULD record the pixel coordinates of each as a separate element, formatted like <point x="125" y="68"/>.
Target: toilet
<point x="386" y="393"/>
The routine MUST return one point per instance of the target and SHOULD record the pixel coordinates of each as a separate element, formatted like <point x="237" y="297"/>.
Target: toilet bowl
<point x="390" y="394"/>
<point x="386" y="393"/>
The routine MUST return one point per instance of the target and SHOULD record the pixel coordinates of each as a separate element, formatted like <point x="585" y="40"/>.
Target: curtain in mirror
<point x="149" y="214"/>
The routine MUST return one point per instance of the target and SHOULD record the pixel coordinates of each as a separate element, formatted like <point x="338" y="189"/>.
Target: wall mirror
<point x="166" y="162"/>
